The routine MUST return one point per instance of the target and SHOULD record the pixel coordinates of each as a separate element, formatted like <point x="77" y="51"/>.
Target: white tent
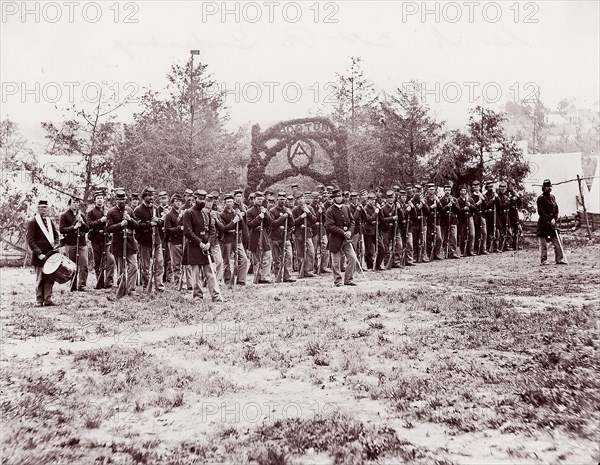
<point x="557" y="167"/>
<point x="592" y="200"/>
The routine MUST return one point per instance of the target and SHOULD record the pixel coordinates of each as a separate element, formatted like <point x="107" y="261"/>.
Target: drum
<point x="60" y="266"/>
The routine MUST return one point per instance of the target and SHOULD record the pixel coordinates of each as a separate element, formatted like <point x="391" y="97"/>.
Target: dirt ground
<point x="483" y="360"/>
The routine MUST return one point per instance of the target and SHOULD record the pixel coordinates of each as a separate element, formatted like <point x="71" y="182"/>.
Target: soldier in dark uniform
<point x="339" y="224"/>
<point x="174" y="232"/>
<point x="196" y="227"/>
<point x="489" y="206"/>
<point x="258" y="221"/>
<point x="357" y="234"/>
<point x="100" y="239"/>
<point x="404" y="234"/>
<point x="304" y="220"/>
<point x="215" y="232"/>
<point x="418" y="214"/>
<point x="434" y="232"/>
<point x="513" y="214"/>
<point x="119" y="218"/>
<point x="466" y="227"/>
<point x="388" y="216"/>
<point x="547" y="209"/>
<point x="318" y="232"/>
<point x="163" y="209"/>
<point x="479" y="219"/>
<point x="374" y="251"/>
<point x="502" y="210"/>
<point x="282" y="224"/>
<point x="448" y="222"/>
<point x="231" y="217"/>
<point x="149" y="234"/>
<point x="42" y="237"/>
<point x="74" y="228"/>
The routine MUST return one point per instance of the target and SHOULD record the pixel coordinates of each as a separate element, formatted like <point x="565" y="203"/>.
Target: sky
<point x="278" y="60"/>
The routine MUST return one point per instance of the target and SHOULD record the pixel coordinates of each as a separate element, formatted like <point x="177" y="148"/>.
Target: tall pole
<point x="192" y="96"/>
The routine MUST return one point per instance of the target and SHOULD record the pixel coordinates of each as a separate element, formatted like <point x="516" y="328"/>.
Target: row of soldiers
<point x="198" y="239"/>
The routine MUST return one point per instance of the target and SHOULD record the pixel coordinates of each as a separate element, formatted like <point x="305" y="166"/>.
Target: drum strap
<point x="48" y="232"/>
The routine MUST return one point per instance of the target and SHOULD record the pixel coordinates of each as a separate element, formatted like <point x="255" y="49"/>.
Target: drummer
<point x="42" y="236"/>
<point x="74" y="228"/>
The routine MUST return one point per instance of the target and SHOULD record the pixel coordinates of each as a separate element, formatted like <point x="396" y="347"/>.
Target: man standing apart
<point x="42" y="235"/>
<point x="546" y="228"/>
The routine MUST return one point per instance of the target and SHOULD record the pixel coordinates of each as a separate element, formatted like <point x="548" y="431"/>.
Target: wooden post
<point x="585" y="215"/>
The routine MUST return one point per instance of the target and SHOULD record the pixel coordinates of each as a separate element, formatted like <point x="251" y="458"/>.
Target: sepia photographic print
<point x="300" y="232"/>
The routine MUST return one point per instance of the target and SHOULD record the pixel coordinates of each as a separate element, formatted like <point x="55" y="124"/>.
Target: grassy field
<point x="482" y="360"/>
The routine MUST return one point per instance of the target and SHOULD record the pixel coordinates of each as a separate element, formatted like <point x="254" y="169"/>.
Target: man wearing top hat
<point x="42" y="237"/>
<point x="547" y="209"/>
<point x="73" y="227"/>
<point x="120" y="217"/>
<point x="100" y="239"/>
<point x="149" y="233"/>
<point x="340" y="224"/>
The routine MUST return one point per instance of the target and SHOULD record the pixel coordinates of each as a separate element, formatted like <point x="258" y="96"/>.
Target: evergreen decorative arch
<point x="299" y="138"/>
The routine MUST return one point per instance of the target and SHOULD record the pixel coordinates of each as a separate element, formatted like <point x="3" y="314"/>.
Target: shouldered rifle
<point x="236" y="257"/>
<point x="122" y="290"/>
<point x="434" y="244"/>
<point x="302" y="271"/>
<point x="102" y="274"/>
<point x="505" y="230"/>
<point x="74" y="281"/>
<point x="376" y="241"/>
<point x="280" y="272"/>
<point x="258" y="266"/>
<point x="448" y="231"/>
<point x="182" y="266"/>
<point x="390" y="262"/>
<point x="320" y="258"/>
<point x="151" y="276"/>
<point x="420" y="259"/>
